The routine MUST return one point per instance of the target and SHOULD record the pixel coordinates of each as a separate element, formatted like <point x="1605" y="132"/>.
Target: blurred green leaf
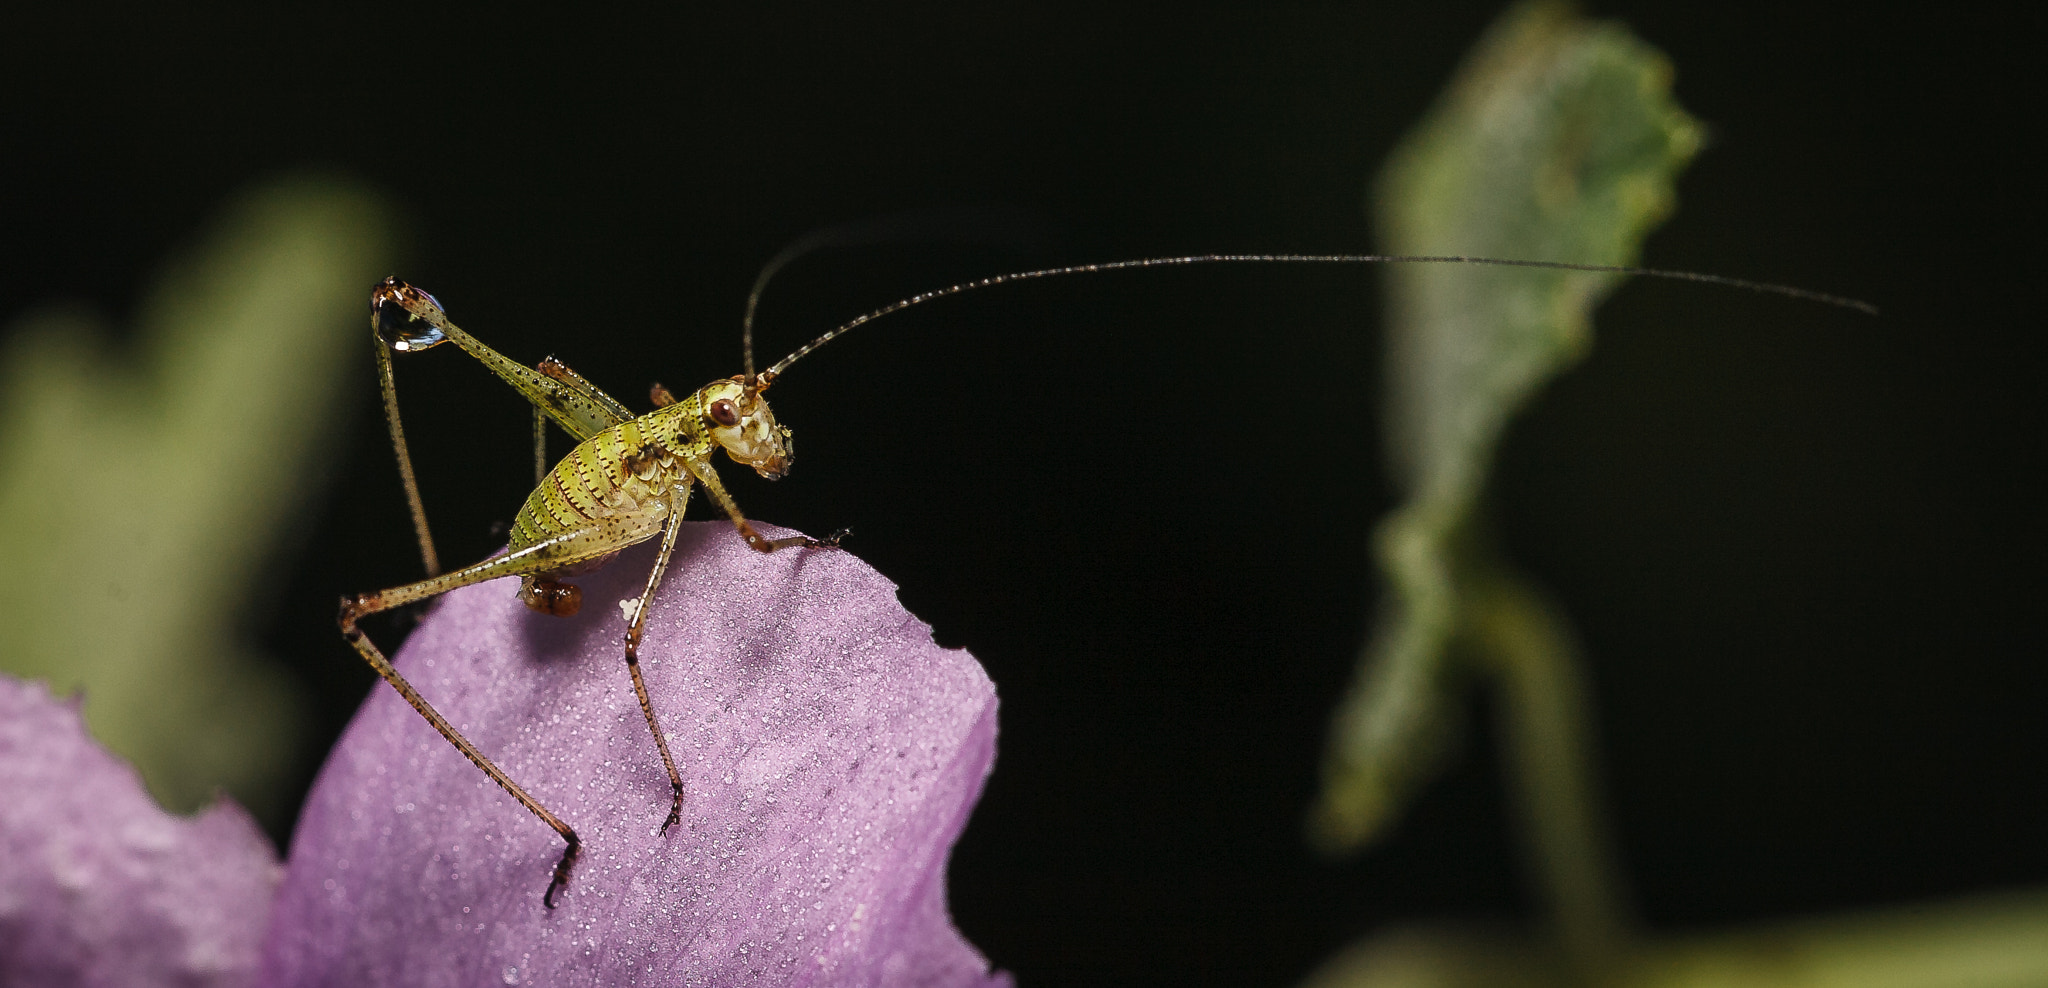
<point x="1984" y="942"/>
<point x="1559" y="141"/>
<point x="1439" y="958"/>
<point x="143" y="485"/>
<point x="1988" y="941"/>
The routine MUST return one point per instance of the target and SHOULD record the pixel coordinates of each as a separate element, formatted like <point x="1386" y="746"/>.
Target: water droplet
<point x="396" y="310"/>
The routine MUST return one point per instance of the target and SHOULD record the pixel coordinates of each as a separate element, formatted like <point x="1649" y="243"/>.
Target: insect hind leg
<point x="375" y="657"/>
<point x="353" y="609"/>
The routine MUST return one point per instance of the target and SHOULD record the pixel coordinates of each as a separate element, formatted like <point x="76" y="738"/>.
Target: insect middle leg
<point x="632" y="642"/>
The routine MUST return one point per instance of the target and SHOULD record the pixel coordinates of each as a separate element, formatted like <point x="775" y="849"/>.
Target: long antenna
<point x="769" y="375"/>
<point x="983" y="225"/>
<point x="804" y="245"/>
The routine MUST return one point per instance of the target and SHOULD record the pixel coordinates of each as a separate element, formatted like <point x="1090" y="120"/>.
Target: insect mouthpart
<point x="776" y="467"/>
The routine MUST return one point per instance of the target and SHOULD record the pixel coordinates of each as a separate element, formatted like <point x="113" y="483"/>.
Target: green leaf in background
<point x="1558" y="141"/>
<point x="1988" y="941"/>
<point x="143" y="485"/>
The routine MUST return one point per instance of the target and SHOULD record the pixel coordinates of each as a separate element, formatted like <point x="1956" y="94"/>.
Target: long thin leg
<point x="389" y="385"/>
<point x="581" y="402"/>
<point x="540" y="447"/>
<point x="356" y="608"/>
<point x="384" y="668"/>
<point x="633" y="628"/>
<point x="598" y="410"/>
<point x="701" y="469"/>
<point x="574" y="403"/>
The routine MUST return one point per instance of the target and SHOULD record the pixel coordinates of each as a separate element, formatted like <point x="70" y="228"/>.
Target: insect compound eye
<point x="398" y="326"/>
<point x="723" y="412"/>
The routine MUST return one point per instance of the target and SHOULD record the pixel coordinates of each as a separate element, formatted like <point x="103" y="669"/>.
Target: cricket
<point x="630" y="476"/>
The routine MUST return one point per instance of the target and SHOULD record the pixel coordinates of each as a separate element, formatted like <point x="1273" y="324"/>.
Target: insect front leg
<point x="701" y="469"/>
<point x="353" y="609"/>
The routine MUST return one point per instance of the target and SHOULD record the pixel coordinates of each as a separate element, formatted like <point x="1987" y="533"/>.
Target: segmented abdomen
<point x="615" y="482"/>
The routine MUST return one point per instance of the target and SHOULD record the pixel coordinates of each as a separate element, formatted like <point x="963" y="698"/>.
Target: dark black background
<point x="1802" y="546"/>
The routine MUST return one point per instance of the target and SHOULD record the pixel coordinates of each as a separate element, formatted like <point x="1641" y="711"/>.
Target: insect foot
<point x="562" y="869"/>
<point x="761" y="543"/>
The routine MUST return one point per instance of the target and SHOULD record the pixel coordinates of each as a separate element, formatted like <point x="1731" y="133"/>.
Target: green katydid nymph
<point x="630" y="476"/>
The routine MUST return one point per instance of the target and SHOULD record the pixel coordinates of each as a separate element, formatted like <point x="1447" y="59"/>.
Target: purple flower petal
<point x="100" y="886"/>
<point x="829" y="749"/>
